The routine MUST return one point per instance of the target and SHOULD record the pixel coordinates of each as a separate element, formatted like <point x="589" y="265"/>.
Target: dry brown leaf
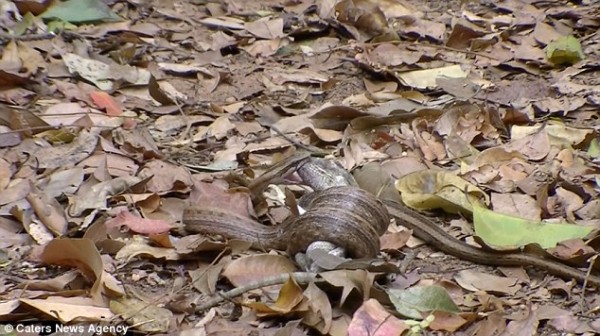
<point x="205" y="277"/>
<point x="94" y="195"/>
<point x="15" y="192"/>
<point x="473" y="281"/>
<point x="518" y="205"/>
<point x="49" y="211"/>
<point x="139" y="247"/>
<point x="166" y="177"/>
<point x="372" y="319"/>
<point x="146" y="317"/>
<point x="137" y="224"/>
<point x="266" y="28"/>
<point x="68" y="310"/>
<point x="320" y="314"/>
<point x="82" y="253"/>
<point x="248" y="269"/>
<point x="290" y="297"/>
<point x="360" y="280"/>
<point x="525" y="326"/>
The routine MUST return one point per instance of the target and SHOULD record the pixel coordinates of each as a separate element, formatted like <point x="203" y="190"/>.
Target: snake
<point x="340" y="212"/>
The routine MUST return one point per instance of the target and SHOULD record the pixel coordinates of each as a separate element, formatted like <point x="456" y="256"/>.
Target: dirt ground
<point x="201" y="93"/>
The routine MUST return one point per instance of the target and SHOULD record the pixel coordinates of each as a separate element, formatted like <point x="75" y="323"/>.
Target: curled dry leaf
<point x="290" y="296"/>
<point x="49" y="211"/>
<point x="82" y="253"/>
<point x="431" y="189"/>
<point x="139" y="247"/>
<point x="349" y="280"/>
<point x="320" y="313"/>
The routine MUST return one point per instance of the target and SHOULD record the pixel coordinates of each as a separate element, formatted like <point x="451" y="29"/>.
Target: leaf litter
<point x="114" y="117"/>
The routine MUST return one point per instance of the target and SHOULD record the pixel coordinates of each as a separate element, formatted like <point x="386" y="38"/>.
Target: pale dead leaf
<point x="63" y="113"/>
<point x="372" y="319"/>
<point x="63" y="182"/>
<point x="205" y="277"/>
<point x="117" y="165"/>
<point x="394" y="240"/>
<point x="54" y="284"/>
<point x="266" y="28"/>
<point x="320" y="314"/>
<point x="247" y="269"/>
<point x="281" y="76"/>
<point x="527" y="326"/>
<point x="533" y="146"/>
<point x="219" y="129"/>
<point x="519" y="205"/>
<point x="170" y="123"/>
<point x="140" y="247"/>
<point x="16" y="191"/>
<point x="570" y="201"/>
<point x="95" y="196"/>
<point x="266" y="48"/>
<point x="166" y="177"/>
<point x="138" y="141"/>
<point x="474" y="280"/>
<point x="68" y="154"/>
<point x="49" y="211"/>
<point x="137" y="224"/>
<point x="148" y="318"/>
<point x="102" y="74"/>
<point x="360" y="280"/>
<point x="423" y="79"/>
<point x="67" y="310"/>
<point x="212" y="195"/>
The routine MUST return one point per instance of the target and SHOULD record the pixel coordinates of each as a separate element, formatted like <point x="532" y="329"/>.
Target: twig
<point x="285" y="136"/>
<point x="188" y="126"/>
<point x="166" y="295"/>
<point x="289" y="139"/>
<point x="415" y="43"/>
<point x="435" y="46"/>
<point x="6" y="37"/>
<point x="299" y="277"/>
<point x="591" y="262"/>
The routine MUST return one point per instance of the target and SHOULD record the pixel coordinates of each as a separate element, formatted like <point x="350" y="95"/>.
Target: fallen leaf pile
<point x="116" y="115"/>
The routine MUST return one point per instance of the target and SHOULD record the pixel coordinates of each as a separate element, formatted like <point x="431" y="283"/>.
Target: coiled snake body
<point x="342" y="213"/>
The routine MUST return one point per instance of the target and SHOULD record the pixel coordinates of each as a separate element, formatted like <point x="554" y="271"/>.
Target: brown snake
<point x="359" y="232"/>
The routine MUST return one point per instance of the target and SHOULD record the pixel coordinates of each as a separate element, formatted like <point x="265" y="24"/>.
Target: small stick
<point x="299" y="277"/>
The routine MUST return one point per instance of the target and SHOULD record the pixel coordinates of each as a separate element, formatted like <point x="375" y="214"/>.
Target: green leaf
<point x="502" y="231"/>
<point x="594" y="149"/>
<point x="566" y="49"/>
<point x="26" y="22"/>
<point x="437" y="189"/>
<point x="417" y="301"/>
<point x="57" y="26"/>
<point x="79" y="11"/>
